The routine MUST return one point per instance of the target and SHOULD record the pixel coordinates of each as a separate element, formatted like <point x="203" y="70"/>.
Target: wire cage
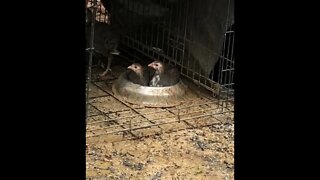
<point x="123" y="139"/>
<point x="197" y="38"/>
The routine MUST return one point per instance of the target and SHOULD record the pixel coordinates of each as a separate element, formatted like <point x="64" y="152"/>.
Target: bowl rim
<point x="122" y="87"/>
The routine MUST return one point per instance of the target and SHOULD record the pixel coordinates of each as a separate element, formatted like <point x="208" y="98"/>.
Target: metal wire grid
<point x="110" y="115"/>
<point x="167" y="42"/>
<point x="226" y="66"/>
<point x="126" y="119"/>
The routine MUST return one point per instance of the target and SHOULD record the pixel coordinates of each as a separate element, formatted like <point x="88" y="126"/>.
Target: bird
<point x="138" y="74"/>
<point x="105" y="42"/>
<point x="164" y="75"/>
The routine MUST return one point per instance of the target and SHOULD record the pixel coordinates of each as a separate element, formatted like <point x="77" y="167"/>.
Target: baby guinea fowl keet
<point x="164" y="75"/>
<point x="138" y="74"/>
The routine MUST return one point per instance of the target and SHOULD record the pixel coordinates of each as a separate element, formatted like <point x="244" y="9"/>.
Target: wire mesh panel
<point x="195" y="36"/>
<point x="189" y="34"/>
<point x="176" y="32"/>
<point x="225" y="67"/>
<point x="160" y="138"/>
<point x="113" y="117"/>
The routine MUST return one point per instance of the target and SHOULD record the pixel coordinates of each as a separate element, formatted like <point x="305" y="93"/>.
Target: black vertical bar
<point x="90" y="56"/>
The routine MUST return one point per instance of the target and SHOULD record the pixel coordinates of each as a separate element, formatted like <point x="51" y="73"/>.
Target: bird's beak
<point x="130" y="67"/>
<point x="150" y="65"/>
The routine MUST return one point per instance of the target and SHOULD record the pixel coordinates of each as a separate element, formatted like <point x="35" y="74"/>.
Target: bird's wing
<point x="173" y="72"/>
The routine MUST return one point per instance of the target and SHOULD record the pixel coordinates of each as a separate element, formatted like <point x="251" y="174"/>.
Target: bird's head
<point x="136" y="67"/>
<point x="157" y="65"/>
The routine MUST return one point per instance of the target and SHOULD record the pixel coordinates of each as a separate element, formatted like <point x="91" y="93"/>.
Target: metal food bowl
<point x="148" y="96"/>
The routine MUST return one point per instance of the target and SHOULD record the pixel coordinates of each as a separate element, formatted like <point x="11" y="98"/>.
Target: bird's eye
<point x="156" y="64"/>
<point x="135" y="66"/>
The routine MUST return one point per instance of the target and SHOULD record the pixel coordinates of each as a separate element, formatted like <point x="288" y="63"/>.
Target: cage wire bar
<point x="128" y="118"/>
<point x="91" y="48"/>
<point x="164" y="39"/>
<point x="172" y="41"/>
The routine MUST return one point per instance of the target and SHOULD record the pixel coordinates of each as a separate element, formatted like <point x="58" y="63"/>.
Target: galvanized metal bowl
<point x="148" y="96"/>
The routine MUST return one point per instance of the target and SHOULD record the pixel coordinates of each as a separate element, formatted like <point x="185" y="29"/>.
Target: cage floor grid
<point x="125" y="141"/>
<point x="109" y="115"/>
